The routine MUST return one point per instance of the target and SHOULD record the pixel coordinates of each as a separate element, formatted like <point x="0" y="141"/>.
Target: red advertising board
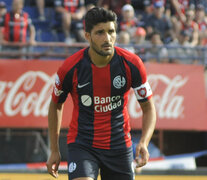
<point x="179" y="95"/>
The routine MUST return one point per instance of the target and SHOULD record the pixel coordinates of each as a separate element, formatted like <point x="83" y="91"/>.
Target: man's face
<point x="102" y="38"/>
<point x="159" y="11"/>
<point x="190" y="15"/>
<point x="128" y="15"/>
<point x="17" y="5"/>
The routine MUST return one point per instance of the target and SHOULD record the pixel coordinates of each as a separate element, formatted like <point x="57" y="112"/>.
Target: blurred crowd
<point x="141" y="23"/>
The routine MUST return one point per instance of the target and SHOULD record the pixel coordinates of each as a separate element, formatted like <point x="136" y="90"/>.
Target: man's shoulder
<point x="128" y="56"/>
<point x="7" y="16"/>
<point x="125" y="53"/>
<point x="70" y="63"/>
<point x="8" y="13"/>
<point x="25" y="13"/>
<point x="75" y="58"/>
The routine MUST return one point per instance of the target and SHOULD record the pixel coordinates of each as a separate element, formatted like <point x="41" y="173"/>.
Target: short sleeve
<point x="62" y="86"/>
<point x="140" y="84"/>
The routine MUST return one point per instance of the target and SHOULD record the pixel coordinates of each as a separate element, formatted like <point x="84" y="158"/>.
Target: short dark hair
<point x="98" y="15"/>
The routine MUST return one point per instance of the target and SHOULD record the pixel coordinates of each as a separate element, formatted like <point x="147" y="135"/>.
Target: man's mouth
<point x="106" y="46"/>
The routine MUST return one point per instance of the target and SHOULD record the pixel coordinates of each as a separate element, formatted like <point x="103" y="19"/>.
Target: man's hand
<point x="53" y="163"/>
<point x="142" y="155"/>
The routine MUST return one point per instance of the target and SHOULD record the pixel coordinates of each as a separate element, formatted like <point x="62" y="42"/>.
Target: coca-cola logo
<point x="29" y="94"/>
<point x="169" y="103"/>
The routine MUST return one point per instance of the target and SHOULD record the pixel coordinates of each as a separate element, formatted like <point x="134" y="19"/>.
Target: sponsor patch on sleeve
<point x="57" y="89"/>
<point x="57" y="92"/>
<point x="57" y="80"/>
<point x="143" y="92"/>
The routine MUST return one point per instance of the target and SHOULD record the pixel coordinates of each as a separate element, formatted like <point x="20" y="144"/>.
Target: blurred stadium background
<point x="179" y="144"/>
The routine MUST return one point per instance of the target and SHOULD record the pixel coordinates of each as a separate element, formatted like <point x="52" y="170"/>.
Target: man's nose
<point x="107" y="37"/>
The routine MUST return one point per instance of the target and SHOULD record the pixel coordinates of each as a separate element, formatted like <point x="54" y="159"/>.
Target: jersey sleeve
<point x="63" y="85"/>
<point x="140" y="84"/>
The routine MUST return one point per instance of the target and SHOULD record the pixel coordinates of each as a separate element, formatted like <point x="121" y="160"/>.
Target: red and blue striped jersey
<point x="100" y="118"/>
<point x="70" y="5"/>
<point x="16" y="26"/>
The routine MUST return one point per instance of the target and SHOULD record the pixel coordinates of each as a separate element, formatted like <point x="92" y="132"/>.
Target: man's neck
<point x="98" y="60"/>
<point x="17" y="11"/>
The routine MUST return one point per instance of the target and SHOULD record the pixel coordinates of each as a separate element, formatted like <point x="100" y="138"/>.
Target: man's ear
<point x="87" y="36"/>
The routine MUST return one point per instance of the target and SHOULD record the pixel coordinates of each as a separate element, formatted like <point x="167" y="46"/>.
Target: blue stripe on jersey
<point x="86" y="113"/>
<point x="118" y="73"/>
<point x="136" y="76"/>
<point x="66" y="85"/>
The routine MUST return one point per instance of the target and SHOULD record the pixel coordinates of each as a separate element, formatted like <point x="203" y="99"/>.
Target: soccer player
<point x="99" y="79"/>
<point x="16" y="24"/>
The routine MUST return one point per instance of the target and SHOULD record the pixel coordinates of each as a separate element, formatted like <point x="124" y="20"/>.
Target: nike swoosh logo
<point x="83" y="85"/>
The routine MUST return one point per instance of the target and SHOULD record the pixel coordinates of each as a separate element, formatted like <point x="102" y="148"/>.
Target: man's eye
<point x="111" y="32"/>
<point x="100" y="32"/>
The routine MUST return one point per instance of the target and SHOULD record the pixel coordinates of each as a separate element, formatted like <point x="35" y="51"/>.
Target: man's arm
<point x="32" y="33"/>
<point x="148" y="126"/>
<point x="1" y="35"/>
<point x="54" y="124"/>
<point x="177" y="8"/>
<point x="60" y="9"/>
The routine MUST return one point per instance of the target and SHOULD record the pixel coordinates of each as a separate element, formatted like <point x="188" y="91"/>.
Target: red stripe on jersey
<point x="71" y="5"/>
<point x="102" y="116"/>
<point x="66" y="7"/>
<point x="73" y="8"/>
<point x="68" y="64"/>
<point x="73" y="130"/>
<point x="135" y="60"/>
<point x="24" y="28"/>
<point x="17" y="28"/>
<point x="6" y="25"/>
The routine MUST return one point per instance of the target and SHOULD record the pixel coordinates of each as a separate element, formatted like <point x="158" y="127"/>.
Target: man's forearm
<point x="148" y="122"/>
<point x="32" y="34"/>
<point x="54" y="124"/>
